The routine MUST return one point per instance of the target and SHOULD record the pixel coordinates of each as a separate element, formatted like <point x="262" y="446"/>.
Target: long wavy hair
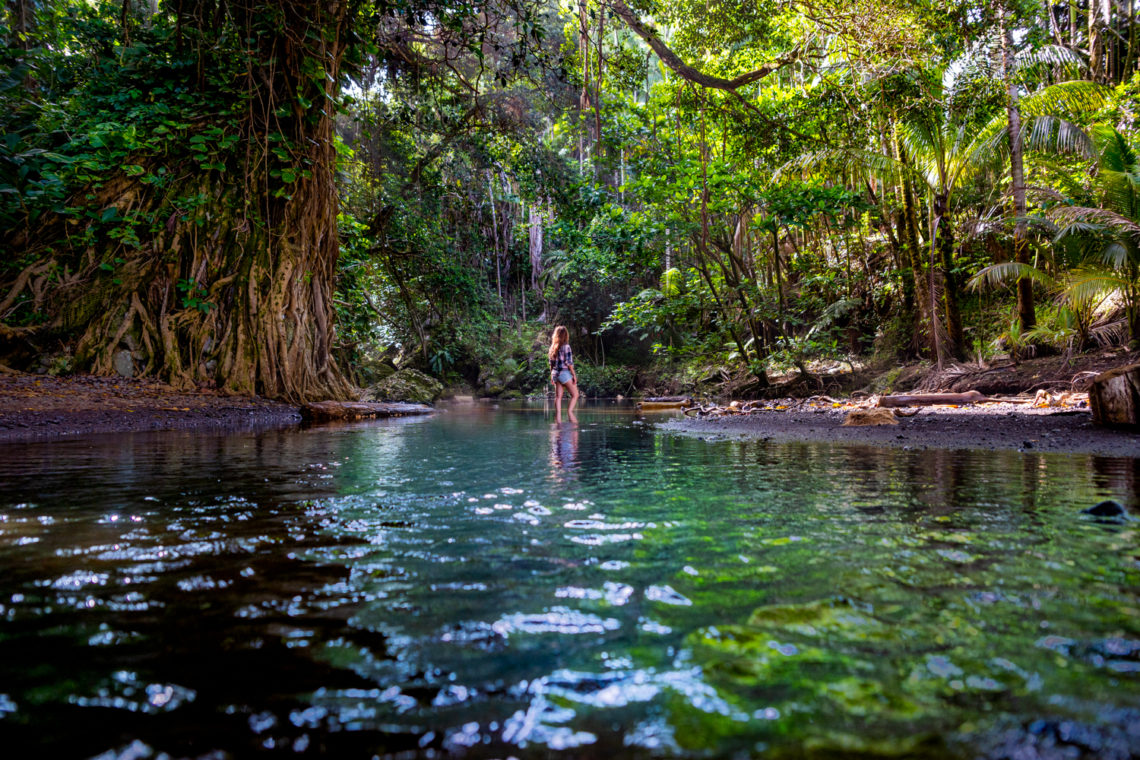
<point x="558" y="339"/>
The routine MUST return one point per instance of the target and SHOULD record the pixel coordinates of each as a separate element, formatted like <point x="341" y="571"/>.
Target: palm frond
<point x="1110" y="331"/>
<point x="1121" y="191"/>
<point x="1102" y="217"/>
<point x="1116" y="154"/>
<point x="875" y="164"/>
<point x="1007" y="272"/>
<point x="1065" y="99"/>
<point x="1087" y="286"/>
<point x="1052" y="58"/>
<point x="986" y="223"/>
<point x="990" y="145"/>
<point x="1115" y="255"/>
<point x="977" y="62"/>
<point x="925" y="145"/>
<point x="1052" y="134"/>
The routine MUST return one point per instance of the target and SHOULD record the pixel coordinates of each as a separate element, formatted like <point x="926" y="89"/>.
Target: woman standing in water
<point x="562" y="374"/>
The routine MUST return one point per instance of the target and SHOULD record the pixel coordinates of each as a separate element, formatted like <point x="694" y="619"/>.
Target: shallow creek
<point x="490" y="583"/>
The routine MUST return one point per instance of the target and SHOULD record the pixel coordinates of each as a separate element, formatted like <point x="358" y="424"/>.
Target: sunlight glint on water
<point x="491" y="583"/>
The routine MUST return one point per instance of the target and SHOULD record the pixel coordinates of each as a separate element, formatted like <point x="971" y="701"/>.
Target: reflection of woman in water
<point x="563" y="447"/>
<point x="562" y="374"/>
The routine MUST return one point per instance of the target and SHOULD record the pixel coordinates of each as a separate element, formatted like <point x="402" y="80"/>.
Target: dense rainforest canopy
<point x="283" y="196"/>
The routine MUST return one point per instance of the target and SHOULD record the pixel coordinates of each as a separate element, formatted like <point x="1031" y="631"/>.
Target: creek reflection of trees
<point x="919" y="484"/>
<point x="1120" y="476"/>
<point x="264" y="467"/>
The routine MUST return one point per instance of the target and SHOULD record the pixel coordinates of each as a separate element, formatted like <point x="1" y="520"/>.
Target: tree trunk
<point x="231" y="282"/>
<point x="1115" y="397"/>
<point x="945" y="235"/>
<point x="924" y="323"/>
<point x="1025" y="308"/>
<point x="1099" y="15"/>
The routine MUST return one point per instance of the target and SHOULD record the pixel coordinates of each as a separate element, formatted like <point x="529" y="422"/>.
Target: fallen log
<point x="1115" y="397"/>
<point x="656" y="406"/>
<point x="931" y="399"/>
<point x="326" y="411"/>
<point x="667" y="399"/>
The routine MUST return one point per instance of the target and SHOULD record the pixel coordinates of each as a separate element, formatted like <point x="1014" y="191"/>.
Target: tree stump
<point x="1115" y="397"/>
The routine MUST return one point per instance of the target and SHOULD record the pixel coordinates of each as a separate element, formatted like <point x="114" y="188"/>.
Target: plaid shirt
<point x="563" y="359"/>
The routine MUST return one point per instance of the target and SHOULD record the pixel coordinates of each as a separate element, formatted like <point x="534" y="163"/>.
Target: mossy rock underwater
<point x="407" y="385"/>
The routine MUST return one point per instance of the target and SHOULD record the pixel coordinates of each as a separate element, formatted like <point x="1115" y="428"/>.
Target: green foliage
<point x="606" y="381"/>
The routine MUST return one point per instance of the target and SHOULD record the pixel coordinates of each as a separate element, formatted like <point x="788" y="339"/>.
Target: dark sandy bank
<point x="991" y="427"/>
<point x="38" y="407"/>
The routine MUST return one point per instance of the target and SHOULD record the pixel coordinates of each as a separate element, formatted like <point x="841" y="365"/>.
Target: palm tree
<point x="946" y="149"/>
<point x="1110" y="233"/>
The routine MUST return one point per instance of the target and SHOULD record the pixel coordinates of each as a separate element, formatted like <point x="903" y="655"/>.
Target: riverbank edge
<point x="991" y="429"/>
<point x="36" y="408"/>
<point x="51" y="426"/>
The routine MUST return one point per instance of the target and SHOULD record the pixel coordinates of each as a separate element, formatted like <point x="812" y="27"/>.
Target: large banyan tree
<point x="186" y="215"/>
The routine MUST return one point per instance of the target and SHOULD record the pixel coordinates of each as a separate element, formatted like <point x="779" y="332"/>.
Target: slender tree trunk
<point x="944" y="232"/>
<point x="21" y="27"/>
<point x="924" y="327"/>
<point x="1025" y="308"/>
<point x="1100" y="12"/>
<point x="1130" y="59"/>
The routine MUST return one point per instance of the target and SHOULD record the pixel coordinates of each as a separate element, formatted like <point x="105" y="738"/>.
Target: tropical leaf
<point x="1050" y="59"/>
<point x="1115" y="152"/>
<point x="1101" y="217"/>
<point x="1116" y="255"/>
<point x="1089" y="286"/>
<point x="1047" y="133"/>
<point x="1065" y="99"/>
<point x="1007" y="272"/>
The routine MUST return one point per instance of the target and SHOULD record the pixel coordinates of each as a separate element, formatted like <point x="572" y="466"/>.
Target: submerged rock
<point x="323" y="411"/>
<point x="1106" y="508"/>
<point x="407" y="385"/>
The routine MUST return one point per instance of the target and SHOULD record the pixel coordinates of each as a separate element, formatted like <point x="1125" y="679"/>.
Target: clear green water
<point x="488" y="583"/>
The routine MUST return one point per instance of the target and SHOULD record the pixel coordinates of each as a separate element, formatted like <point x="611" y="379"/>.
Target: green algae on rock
<point x="407" y="385"/>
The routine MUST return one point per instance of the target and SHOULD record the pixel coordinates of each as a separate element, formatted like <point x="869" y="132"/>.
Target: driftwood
<point x="861" y="417"/>
<point x="667" y="399"/>
<point x="656" y="406"/>
<point x="1115" y="397"/>
<point x="324" y="411"/>
<point x="931" y="399"/>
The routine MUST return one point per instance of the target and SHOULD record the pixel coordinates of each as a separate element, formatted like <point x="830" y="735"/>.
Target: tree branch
<point x="673" y="61"/>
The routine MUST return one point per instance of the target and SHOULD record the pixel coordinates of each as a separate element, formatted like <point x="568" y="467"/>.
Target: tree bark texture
<point x="1026" y="311"/>
<point x="235" y="290"/>
<point x="1115" y="397"/>
<point x="945" y="233"/>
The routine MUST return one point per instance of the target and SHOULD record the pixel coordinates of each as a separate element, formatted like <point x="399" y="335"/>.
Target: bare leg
<point x="558" y="402"/>
<point x="573" y="386"/>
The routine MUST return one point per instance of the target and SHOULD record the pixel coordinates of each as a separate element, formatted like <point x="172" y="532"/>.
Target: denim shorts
<point x="564" y="376"/>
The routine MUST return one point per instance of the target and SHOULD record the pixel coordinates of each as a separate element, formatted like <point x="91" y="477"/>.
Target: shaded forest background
<point x="293" y="198"/>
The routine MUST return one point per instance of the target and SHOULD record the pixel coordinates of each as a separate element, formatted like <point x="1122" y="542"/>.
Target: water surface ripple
<point x="489" y="583"/>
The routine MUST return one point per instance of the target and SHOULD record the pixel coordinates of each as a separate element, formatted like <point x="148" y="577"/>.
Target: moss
<point x="406" y="385"/>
